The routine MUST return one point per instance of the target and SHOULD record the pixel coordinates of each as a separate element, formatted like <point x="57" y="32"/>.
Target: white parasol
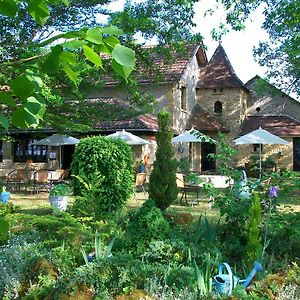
<point x="129" y="138"/>
<point x="57" y="140"/>
<point x="260" y="136"/>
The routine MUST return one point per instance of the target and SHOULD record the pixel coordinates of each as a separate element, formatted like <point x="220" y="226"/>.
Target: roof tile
<point x="219" y="72"/>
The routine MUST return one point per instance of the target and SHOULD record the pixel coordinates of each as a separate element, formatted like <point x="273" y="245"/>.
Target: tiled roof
<point x="145" y="122"/>
<point x="279" y="125"/>
<point x="163" y="68"/>
<point x="203" y="121"/>
<point x="218" y="73"/>
<point x="130" y="119"/>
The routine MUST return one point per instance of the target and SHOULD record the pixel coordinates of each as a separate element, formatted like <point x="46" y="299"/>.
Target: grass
<point x="38" y="204"/>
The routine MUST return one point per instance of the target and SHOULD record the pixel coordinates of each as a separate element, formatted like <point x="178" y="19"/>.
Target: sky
<point x="237" y="45"/>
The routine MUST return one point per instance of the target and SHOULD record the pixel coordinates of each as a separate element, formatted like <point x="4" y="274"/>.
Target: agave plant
<point x="101" y="252"/>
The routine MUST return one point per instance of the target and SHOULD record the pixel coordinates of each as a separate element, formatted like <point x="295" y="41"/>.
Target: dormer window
<point x="218" y="107"/>
<point x="183" y="98"/>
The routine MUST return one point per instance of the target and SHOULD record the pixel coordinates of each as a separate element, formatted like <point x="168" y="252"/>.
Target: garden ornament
<point x="225" y="283"/>
<point x="241" y="189"/>
<point x="4" y="195"/>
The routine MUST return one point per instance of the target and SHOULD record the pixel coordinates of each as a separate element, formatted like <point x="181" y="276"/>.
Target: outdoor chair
<point x="184" y="188"/>
<point x="140" y="179"/>
<point x="181" y="186"/>
<point x="42" y="181"/>
<point x="16" y="178"/>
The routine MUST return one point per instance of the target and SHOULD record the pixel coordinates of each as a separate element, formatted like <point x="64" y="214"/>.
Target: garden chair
<point x="184" y="187"/>
<point x="16" y="178"/>
<point x="42" y="181"/>
<point x="181" y="186"/>
<point x="140" y="179"/>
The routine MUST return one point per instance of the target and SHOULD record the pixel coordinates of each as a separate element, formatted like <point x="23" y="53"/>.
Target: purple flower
<point x="273" y="192"/>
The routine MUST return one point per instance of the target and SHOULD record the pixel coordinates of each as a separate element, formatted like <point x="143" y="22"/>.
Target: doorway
<point x="296" y="154"/>
<point x="207" y="162"/>
<point x="67" y="156"/>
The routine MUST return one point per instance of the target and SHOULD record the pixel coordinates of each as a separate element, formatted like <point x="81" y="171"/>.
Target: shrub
<point x="103" y="173"/>
<point x="252" y="227"/>
<point x="146" y="225"/>
<point x="162" y="184"/>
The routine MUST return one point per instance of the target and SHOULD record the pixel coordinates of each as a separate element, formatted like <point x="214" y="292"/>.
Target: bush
<point x="146" y="225"/>
<point x="103" y="173"/>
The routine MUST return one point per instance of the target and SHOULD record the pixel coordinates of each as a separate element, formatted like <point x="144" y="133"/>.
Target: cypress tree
<point x="162" y="185"/>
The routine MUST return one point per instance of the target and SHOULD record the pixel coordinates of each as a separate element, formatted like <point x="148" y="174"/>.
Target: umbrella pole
<point x="260" y="145"/>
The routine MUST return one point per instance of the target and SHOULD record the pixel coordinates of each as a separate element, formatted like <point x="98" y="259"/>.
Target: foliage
<point x="146" y="225"/>
<point x="252" y="227"/>
<point x="224" y="156"/>
<point x="100" y="253"/>
<point x="103" y="174"/>
<point x="162" y="184"/>
<point x="280" y="53"/>
<point x="183" y="165"/>
<point x="15" y="260"/>
<point x="41" y="60"/>
<point x="61" y="189"/>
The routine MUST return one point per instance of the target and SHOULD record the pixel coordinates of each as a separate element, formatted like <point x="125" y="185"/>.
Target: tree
<point x="162" y="185"/>
<point x="32" y="56"/>
<point x="281" y="53"/>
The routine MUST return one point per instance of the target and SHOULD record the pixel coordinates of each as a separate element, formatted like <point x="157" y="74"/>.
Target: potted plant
<point x="58" y="196"/>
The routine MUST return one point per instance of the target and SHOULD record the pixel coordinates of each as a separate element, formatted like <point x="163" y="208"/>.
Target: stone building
<point x="206" y="95"/>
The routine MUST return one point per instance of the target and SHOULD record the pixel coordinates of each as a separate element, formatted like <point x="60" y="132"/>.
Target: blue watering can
<point x="4" y="196"/>
<point x="226" y="282"/>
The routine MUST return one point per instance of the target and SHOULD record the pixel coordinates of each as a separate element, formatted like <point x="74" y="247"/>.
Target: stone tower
<point x="222" y="93"/>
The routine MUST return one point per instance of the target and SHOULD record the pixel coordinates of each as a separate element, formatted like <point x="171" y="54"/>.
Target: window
<point x="183" y="98"/>
<point x="218" y="107"/>
<point x="24" y="150"/>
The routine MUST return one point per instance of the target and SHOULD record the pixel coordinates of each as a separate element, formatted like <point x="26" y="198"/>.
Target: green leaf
<point x="71" y="74"/>
<point x="66" y="2"/>
<point x="111" y="42"/>
<point x="35" y="107"/>
<point x="22" y="86"/>
<point x="92" y="56"/>
<point x="7" y="99"/>
<point x="8" y="8"/>
<point x="51" y="63"/>
<point x="113" y="30"/>
<point x="94" y="35"/>
<point x="73" y="45"/>
<point x="68" y="57"/>
<point x="121" y="70"/>
<point x="124" y="56"/>
<point x="4" y="226"/>
<point x="39" y="11"/>
<point x="24" y="119"/>
<point x="3" y="121"/>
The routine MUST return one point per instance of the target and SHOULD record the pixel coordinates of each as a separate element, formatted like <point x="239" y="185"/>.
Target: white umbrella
<point x="129" y="138"/>
<point x="193" y="136"/>
<point x="57" y="140"/>
<point x="260" y="136"/>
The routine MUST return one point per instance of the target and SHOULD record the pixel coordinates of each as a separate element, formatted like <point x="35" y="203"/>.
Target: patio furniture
<point x="42" y="181"/>
<point x="16" y="178"/>
<point x="185" y="187"/>
<point x="57" y="175"/>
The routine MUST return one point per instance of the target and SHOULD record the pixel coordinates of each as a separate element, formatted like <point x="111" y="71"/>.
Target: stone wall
<point x="277" y="104"/>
